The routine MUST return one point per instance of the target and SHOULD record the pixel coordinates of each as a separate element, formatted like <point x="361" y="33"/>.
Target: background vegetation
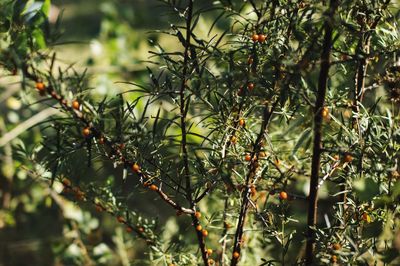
<point x="65" y="200"/>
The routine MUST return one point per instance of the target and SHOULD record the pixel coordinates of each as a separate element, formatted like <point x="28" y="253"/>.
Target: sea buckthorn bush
<point x="268" y="136"/>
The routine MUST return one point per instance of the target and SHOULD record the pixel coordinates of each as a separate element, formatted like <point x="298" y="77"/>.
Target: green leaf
<point x="39" y="38"/>
<point x="46" y="7"/>
<point x="304" y="136"/>
<point x="366" y="189"/>
<point x="373" y="229"/>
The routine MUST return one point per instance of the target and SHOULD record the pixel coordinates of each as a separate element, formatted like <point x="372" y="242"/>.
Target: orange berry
<point x="233" y="140"/>
<point x="336" y="157"/>
<point x="153" y="187"/>
<point x="98" y="208"/>
<point x="261" y="38"/>
<point x="253" y="191"/>
<point x="283" y="195"/>
<point x="86" y="131"/>
<point x="247" y="158"/>
<point x="348" y="158"/>
<point x="75" y="105"/>
<point x="40" y="86"/>
<point x="366" y="217"/>
<point x="334" y="258"/>
<point x="79" y="195"/>
<point x="209" y="252"/>
<point x="325" y="112"/>
<point x="250" y="86"/>
<point x="236" y="255"/>
<point x="197" y="215"/>
<point x="101" y="140"/>
<point x="199" y="227"/>
<point x="204" y="232"/>
<point x="135" y="168"/>
<point x="66" y="182"/>
<point x="129" y="229"/>
<point x="121" y="219"/>
<point x="277" y="162"/>
<point x="262" y="154"/>
<point x="242" y="122"/>
<point x="336" y="246"/>
<point x="255" y="37"/>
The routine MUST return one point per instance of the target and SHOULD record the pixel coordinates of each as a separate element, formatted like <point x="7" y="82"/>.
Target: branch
<point x="188" y="188"/>
<point x="316" y="157"/>
<point x="21" y="128"/>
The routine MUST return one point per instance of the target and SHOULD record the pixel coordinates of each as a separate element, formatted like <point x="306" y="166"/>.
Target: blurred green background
<point x="37" y="225"/>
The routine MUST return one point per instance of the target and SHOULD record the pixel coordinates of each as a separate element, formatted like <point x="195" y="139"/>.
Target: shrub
<point x="236" y="131"/>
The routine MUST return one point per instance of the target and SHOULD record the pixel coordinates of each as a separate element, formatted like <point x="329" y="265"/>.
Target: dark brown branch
<point x="251" y="174"/>
<point x="188" y="188"/>
<point x="317" y="142"/>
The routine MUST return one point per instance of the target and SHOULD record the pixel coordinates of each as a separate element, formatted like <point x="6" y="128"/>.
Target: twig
<point x="22" y="127"/>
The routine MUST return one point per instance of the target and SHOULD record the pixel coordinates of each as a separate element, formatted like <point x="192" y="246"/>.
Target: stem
<point x="317" y="149"/>
<point x="188" y="188"/>
<point x="252" y="172"/>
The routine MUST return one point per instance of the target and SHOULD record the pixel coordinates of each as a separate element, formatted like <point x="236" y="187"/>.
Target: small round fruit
<point x="336" y="157"/>
<point x="250" y="86"/>
<point x="209" y="252"/>
<point x="227" y="225"/>
<point x="247" y="158"/>
<point x="334" y="258"/>
<point x="236" y="255"/>
<point x="197" y="215"/>
<point x="80" y="195"/>
<point x="98" y="208"/>
<point x="348" y="158"/>
<point x="121" y="219"/>
<point x="253" y="191"/>
<point x="154" y="187"/>
<point x="129" y="229"/>
<point x="365" y="217"/>
<point x="199" y="227"/>
<point x="283" y="195"/>
<point x="233" y="140"/>
<point x="101" y="140"/>
<point x="135" y="168"/>
<point x="325" y="112"/>
<point x="75" y="105"/>
<point x="255" y="37"/>
<point x="336" y="246"/>
<point x="40" y="86"/>
<point x="204" y="232"/>
<point x="242" y="122"/>
<point x="261" y="38"/>
<point x="66" y="182"/>
<point x="86" y="131"/>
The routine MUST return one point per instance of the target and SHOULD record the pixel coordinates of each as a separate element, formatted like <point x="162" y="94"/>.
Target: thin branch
<point x="317" y="142"/>
<point x="27" y="124"/>
<point x="188" y="188"/>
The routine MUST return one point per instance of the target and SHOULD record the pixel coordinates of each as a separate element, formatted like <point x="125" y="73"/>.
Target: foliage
<point x="239" y="132"/>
